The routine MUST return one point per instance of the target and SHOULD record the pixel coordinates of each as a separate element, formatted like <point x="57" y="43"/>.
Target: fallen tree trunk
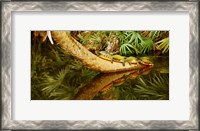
<point x="73" y="47"/>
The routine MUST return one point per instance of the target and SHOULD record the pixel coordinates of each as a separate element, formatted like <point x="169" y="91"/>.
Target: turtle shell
<point x="118" y="57"/>
<point x="132" y="60"/>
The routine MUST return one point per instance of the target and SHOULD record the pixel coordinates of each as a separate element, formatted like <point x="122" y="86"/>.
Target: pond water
<point x="68" y="79"/>
<point x="145" y="84"/>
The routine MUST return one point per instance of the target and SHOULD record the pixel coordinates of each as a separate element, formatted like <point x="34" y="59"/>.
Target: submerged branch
<point x="66" y="42"/>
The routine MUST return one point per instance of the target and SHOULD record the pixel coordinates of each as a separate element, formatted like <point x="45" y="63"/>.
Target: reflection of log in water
<point x="100" y="81"/>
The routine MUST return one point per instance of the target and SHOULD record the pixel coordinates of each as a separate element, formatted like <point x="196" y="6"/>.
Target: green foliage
<point x="146" y="45"/>
<point x="154" y="34"/>
<point x="163" y="45"/>
<point x="154" y="88"/>
<point x="55" y="74"/>
<point x="96" y="37"/>
<point x="127" y="48"/>
<point x="131" y="42"/>
<point x="51" y="84"/>
<point x="93" y="36"/>
<point x="84" y="40"/>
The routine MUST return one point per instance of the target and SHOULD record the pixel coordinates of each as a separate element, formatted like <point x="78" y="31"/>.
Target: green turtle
<point x="132" y="60"/>
<point x="119" y="58"/>
<point x="146" y="61"/>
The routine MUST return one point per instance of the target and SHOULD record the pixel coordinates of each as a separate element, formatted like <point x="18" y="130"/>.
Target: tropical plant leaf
<point x="157" y="87"/>
<point x="163" y="45"/>
<point x="83" y="40"/>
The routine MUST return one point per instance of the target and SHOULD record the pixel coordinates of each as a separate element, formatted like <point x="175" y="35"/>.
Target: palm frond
<point x="83" y="40"/>
<point x="163" y="45"/>
<point x="156" y="87"/>
<point x="146" y="45"/>
<point x="51" y="83"/>
<point x="96" y="37"/>
<point x="128" y="49"/>
<point x="154" y="34"/>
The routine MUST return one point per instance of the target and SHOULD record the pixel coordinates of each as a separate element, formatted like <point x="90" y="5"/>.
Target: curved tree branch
<point x="66" y="42"/>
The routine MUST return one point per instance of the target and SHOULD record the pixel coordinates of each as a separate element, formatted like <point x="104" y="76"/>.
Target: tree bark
<point x="73" y="47"/>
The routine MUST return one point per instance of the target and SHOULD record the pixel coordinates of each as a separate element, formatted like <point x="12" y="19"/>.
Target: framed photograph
<point x="100" y="65"/>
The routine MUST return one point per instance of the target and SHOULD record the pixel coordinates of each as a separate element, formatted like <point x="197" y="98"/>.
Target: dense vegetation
<point x="55" y="74"/>
<point x="125" y="42"/>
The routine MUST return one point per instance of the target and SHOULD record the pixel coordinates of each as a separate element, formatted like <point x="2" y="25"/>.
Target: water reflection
<point x="145" y="84"/>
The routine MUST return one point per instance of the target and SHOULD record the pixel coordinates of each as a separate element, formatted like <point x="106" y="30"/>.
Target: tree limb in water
<point x="73" y="47"/>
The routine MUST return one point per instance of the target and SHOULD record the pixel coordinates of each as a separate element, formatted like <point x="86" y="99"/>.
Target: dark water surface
<point x="71" y="80"/>
<point x="145" y="84"/>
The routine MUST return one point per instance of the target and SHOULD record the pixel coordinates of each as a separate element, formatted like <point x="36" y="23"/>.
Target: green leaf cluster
<point x="154" y="86"/>
<point x="130" y="42"/>
<point x="54" y="73"/>
<point x="134" y="43"/>
<point x="163" y="45"/>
